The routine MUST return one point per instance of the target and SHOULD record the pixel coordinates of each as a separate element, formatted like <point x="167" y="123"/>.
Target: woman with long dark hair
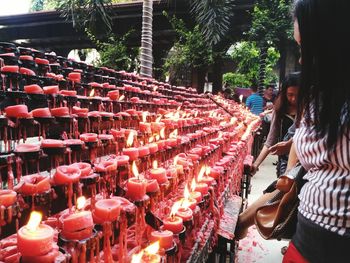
<point x="283" y="116"/>
<point x="322" y="138"/>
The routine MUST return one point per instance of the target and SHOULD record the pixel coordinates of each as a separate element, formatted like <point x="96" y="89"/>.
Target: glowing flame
<point x="207" y="170"/>
<point x="201" y="173"/>
<point x="136" y="258"/>
<point x="233" y="120"/>
<point x="81" y="202"/>
<point x="159" y="118"/>
<point x="220" y="135"/>
<point x="177" y="115"/>
<point x="173" y="135"/>
<point x="153" y="248"/>
<point x="122" y="97"/>
<point x="162" y="133"/>
<point x="157" y="137"/>
<point x="92" y="93"/>
<point x="134" y="170"/>
<point x="130" y="140"/>
<point x="193" y="185"/>
<point x="196" y="114"/>
<point x="211" y="113"/>
<point x="155" y="164"/>
<point x="186" y="192"/>
<point x="144" y="116"/>
<point x="241" y="98"/>
<point x="175" y="208"/>
<point x="34" y="221"/>
<point x="169" y="115"/>
<point x="155" y="89"/>
<point x="151" y="139"/>
<point x="178" y="108"/>
<point x="176" y="159"/>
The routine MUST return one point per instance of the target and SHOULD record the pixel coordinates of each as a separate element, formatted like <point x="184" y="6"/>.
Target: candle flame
<point x="220" y="135"/>
<point x="196" y="114"/>
<point x="151" y="139"/>
<point x="177" y="115"/>
<point x="201" y="173"/>
<point x="176" y="159"/>
<point x="155" y="164"/>
<point x="173" y="135"/>
<point x="144" y="116"/>
<point x="193" y="185"/>
<point x="136" y="258"/>
<point x="130" y="140"/>
<point x="34" y="221"/>
<point x="134" y="170"/>
<point x="153" y="248"/>
<point x="186" y="192"/>
<point x="157" y="137"/>
<point x="175" y="208"/>
<point x="162" y="133"/>
<point x="169" y="115"/>
<point x="159" y="118"/>
<point x="233" y="120"/>
<point x="207" y="170"/>
<point x="155" y="88"/>
<point x="92" y="93"/>
<point x="122" y="97"/>
<point x="241" y="98"/>
<point x="81" y="202"/>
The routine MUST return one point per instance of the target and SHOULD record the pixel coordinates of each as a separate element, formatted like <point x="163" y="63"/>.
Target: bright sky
<point x="12" y="7"/>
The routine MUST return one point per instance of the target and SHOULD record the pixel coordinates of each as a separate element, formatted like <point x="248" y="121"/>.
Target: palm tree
<point x="147" y="39"/>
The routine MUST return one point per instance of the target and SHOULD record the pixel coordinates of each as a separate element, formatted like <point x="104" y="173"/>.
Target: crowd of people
<point x="309" y="124"/>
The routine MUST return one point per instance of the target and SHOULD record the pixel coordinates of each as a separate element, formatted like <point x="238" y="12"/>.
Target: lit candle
<point x="136" y="186"/>
<point x="79" y="224"/>
<point x="158" y="173"/>
<point x="165" y="238"/>
<point x="174" y="223"/>
<point x="35" y="239"/>
<point x="185" y="213"/>
<point x="144" y="151"/>
<point x="148" y="255"/>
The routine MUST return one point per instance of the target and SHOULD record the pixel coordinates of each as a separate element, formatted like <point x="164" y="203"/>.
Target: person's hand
<point x="280" y="148"/>
<point x="253" y="169"/>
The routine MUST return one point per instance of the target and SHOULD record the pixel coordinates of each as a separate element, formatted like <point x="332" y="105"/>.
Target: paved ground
<point x="253" y="248"/>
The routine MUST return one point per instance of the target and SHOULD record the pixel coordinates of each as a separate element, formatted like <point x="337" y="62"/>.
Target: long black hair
<point x="282" y="104"/>
<point x="324" y="95"/>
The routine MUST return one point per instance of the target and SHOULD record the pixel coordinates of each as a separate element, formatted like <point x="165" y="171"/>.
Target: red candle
<point x="106" y="166"/>
<point x="144" y="151"/>
<point x="66" y="174"/>
<point x="74" y="76"/>
<point x="185" y="213"/>
<point x="158" y="173"/>
<point x="173" y="224"/>
<point x="88" y="137"/>
<point x="145" y="127"/>
<point x="136" y="189"/>
<point x="51" y="89"/>
<point x="161" y="144"/>
<point x="27" y="71"/>
<point x="118" y="134"/>
<point x="7" y="198"/>
<point x="107" y="209"/>
<point x="71" y="142"/>
<point x="207" y="180"/>
<point x="50" y="143"/>
<point x="113" y="94"/>
<point x="80" y="111"/>
<point x="85" y="168"/>
<point x="202" y="188"/>
<point x="41" y="113"/>
<point x="197" y="196"/>
<point x="152" y="186"/>
<point x="171" y="142"/>
<point x="12" y="69"/>
<point x="17" y="111"/>
<point x="33" y="89"/>
<point x="60" y="112"/>
<point x="122" y="160"/>
<point x="35" y="239"/>
<point x="26" y="57"/>
<point x="165" y="238"/>
<point x="26" y="147"/>
<point x="34" y="184"/>
<point x="68" y="92"/>
<point x="41" y="61"/>
<point x="133" y="153"/>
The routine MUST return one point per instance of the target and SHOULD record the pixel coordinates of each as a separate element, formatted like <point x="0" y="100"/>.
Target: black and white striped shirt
<point x="325" y="198"/>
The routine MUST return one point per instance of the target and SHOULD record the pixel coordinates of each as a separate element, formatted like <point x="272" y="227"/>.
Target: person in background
<point x="255" y="101"/>
<point x="322" y="139"/>
<point x="283" y="117"/>
<point x="269" y="98"/>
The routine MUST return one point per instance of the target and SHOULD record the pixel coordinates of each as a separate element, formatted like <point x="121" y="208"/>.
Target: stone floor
<point x="254" y="248"/>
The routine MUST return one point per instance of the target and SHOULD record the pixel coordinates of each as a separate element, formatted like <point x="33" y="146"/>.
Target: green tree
<point x="246" y="55"/>
<point x="189" y="54"/>
<point x="271" y="26"/>
<point x="37" y="5"/>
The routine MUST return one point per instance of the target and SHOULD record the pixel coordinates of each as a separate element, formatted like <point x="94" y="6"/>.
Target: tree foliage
<point x="115" y="53"/>
<point x="190" y="51"/>
<point x="213" y="17"/>
<point x="246" y="56"/>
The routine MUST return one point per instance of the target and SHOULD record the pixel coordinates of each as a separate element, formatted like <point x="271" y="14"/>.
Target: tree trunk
<point x="217" y="75"/>
<point x="146" y="39"/>
<point x="198" y="79"/>
<point x="262" y="68"/>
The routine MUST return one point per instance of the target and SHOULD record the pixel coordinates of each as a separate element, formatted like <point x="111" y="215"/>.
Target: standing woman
<point x="322" y="139"/>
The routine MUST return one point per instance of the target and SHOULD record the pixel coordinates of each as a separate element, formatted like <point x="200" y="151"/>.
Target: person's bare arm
<point x="262" y="156"/>
<point x="293" y="158"/>
<point x="281" y="148"/>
